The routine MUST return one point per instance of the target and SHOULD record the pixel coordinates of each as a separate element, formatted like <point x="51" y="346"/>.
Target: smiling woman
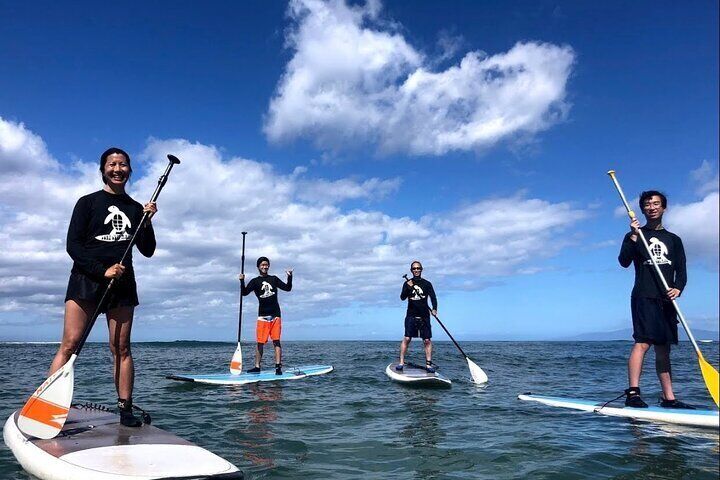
<point x="100" y="230"/>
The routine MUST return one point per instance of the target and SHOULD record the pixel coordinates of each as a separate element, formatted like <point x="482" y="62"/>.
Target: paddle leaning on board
<point x="236" y="362"/>
<point x="45" y="413"/>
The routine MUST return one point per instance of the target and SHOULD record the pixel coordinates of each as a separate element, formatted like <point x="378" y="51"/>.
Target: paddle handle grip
<point x="631" y="214"/>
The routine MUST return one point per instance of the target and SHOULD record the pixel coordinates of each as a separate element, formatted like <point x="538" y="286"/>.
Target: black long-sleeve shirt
<point x="100" y="229"/>
<point x="266" y="289"/>
<point x="417" y="296"/>
<point x="669" y="254"/>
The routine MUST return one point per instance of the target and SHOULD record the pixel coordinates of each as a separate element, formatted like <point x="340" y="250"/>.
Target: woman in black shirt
<point x="101" y="226"/>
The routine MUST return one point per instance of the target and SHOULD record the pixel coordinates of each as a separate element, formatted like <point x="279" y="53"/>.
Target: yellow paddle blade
<point x="712" y="380"/>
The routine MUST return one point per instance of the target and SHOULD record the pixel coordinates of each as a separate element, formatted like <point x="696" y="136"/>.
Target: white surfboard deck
<point x="289" y="373"/>
<point x="93" y="445"/>
<point x="695" y="418"/>
<point x="417" y="376"/>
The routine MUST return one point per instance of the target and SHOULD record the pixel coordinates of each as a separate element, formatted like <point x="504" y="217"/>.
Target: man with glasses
<point x="417" y="319"/>
<point x="653" y="314"/>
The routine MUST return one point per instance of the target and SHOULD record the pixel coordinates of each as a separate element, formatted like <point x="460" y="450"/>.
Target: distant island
<point x="626" y="334"/>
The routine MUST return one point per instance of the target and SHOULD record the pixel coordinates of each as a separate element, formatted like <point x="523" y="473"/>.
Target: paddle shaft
<point x="631" y="214"/>
<point x="172" y="161"/>
<point x="443" y="326"/>
<point x="242" y="272"/>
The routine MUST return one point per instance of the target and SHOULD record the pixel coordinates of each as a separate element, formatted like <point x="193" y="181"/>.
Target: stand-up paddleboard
<point x="417" y="376"/>
<point x="293" y="373"/>
<point x="93" y="445"/>
<point x="695" y="418"/>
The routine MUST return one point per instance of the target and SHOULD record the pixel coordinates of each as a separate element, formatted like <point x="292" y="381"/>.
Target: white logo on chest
<point x="659" y="252"/>
<point x="418" y="293"/>
<point x="267" y="290"/>
<point x="119" y="223"/>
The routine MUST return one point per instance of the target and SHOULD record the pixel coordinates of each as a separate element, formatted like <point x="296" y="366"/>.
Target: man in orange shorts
<point x="269" y="323"/>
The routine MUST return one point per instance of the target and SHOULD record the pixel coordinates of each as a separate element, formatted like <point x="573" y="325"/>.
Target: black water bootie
<point x="399" y="367"/>
<point x="430" y="367"/>
<point x="633" y="399"/>
<point x="254" y="370"/>
<point x="278" y="369"/>
<point x="126" y="415"/>
<point x="675" y="403"/>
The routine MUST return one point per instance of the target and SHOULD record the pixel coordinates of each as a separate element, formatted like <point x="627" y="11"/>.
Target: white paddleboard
<point x="289" y="373"/>
<point x="417" y="376"/>
<point x="93" y="445"/>
<point x="696" y="418"/>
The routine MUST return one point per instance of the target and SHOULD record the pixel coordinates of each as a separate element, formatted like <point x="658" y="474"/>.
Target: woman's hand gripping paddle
<point x="44" y="414"/>
<point x="477" y="373"/>
<point x="709" y="373"/>
<point x="236" y="361"/>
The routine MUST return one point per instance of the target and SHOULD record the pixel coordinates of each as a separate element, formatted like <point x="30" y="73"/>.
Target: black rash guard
<point x="100" y="229"/>
<point x="266" y="289"/>
<point x="417" y="297"/>
<point x="669" y="254"/>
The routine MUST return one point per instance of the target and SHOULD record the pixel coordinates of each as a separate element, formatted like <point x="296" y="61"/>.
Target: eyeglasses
<point x="416" y="268"/>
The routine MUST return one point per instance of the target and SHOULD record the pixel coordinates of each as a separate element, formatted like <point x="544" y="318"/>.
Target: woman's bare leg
<point x="120" y="326"/>
<point x="77" y="313"/>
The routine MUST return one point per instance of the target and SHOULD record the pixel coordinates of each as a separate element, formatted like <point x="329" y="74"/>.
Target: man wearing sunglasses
<point x="417" y="319"/>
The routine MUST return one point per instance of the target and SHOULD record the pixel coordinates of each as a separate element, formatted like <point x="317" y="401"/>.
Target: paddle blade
<point x="710" y="375"/>
<point x="236" y="362"/>
<point x="477" y="373"/>
<point x="44" y="414"/>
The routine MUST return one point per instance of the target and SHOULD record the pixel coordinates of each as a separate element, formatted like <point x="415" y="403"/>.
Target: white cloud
<point x="22" y="151"/>
<point x="353" y="79"/>
<point x="697" y="225"/>
<point x="705" y="178"/>
<point x="341" y="257"/>
<point x="324" y="191"/>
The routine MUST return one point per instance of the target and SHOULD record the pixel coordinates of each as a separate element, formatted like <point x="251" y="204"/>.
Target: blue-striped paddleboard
<point x="695" y="418"/>
<point x="289" y="373"/>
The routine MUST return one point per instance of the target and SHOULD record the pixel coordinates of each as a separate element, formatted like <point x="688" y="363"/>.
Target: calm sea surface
<point x="355" y="423"/>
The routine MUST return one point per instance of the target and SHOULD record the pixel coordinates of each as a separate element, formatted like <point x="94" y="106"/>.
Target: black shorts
<point x="122" y="294"/>
<point x="418" y="327"/>
<point x="654" y="321"/>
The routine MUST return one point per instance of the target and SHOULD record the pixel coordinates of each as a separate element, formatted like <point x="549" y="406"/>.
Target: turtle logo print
<point x="659" y="252"/>
<point x="267" y="290"/>
<point x="417" y="293"/>
<point x="119" y="223"/>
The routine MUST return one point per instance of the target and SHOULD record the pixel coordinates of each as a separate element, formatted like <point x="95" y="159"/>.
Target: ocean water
<point x="355" y="423"/>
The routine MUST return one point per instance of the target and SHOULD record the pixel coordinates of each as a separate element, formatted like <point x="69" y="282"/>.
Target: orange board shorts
<point x="268" y="328"/>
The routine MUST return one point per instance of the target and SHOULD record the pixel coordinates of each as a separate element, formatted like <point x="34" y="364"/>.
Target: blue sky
<point x="350" y="140"/>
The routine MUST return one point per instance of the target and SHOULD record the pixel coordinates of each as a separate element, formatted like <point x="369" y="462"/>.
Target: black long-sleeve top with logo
<point x="669" y="254"/>
<point x="266" y="289"/>
<point x="417" y="296"/>
<point x="101" y="227"/>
